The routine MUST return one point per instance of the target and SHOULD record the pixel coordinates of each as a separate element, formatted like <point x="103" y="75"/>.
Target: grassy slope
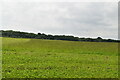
<point x="35" y="58"/>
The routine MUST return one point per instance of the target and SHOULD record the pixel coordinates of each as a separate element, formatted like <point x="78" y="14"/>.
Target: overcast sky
<point x="82" y="19"/>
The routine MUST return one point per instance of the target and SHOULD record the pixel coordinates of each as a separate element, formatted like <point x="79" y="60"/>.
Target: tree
<point x="99" y="39"/>
<point x="18" y="34"/>
<point x="39" y="33"/>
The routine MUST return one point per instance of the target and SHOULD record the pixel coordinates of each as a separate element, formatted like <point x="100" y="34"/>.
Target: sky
<point x="81" y="19"/>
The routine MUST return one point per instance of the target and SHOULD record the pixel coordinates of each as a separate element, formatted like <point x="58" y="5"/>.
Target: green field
<point x="37" y="58"/>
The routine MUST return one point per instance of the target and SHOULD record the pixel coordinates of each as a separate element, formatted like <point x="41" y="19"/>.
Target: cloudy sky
<point x="82" y="19"/>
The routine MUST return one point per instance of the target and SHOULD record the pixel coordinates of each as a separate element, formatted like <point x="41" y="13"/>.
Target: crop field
<point x="37" y="58"/>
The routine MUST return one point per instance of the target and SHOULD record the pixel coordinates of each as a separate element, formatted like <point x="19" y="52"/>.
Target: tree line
<point x="18" y="34"/>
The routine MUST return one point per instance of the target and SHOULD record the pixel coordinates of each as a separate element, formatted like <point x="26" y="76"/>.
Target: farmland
<point x="40" y="58"/>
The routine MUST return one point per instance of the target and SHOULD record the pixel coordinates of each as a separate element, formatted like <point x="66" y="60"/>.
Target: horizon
<point x="60" y="34"/>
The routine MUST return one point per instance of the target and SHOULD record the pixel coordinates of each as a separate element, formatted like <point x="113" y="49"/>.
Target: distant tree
<point x="39" y="33"/>
<point x="18" y="34"/>
<point x="99" y="39"/>
<point x="110" y="40"/>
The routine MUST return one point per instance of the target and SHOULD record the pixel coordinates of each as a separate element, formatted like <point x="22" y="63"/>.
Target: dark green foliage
<point x="18" y="34"/>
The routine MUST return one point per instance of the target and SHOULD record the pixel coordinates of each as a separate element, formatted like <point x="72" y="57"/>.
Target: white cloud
<point x="87" y="19"/>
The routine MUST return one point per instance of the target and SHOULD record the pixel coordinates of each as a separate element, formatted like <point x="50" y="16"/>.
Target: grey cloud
<point x="80" y="19"/>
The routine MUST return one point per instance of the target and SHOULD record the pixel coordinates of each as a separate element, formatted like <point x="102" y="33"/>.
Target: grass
<point x="37" y="58"/>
